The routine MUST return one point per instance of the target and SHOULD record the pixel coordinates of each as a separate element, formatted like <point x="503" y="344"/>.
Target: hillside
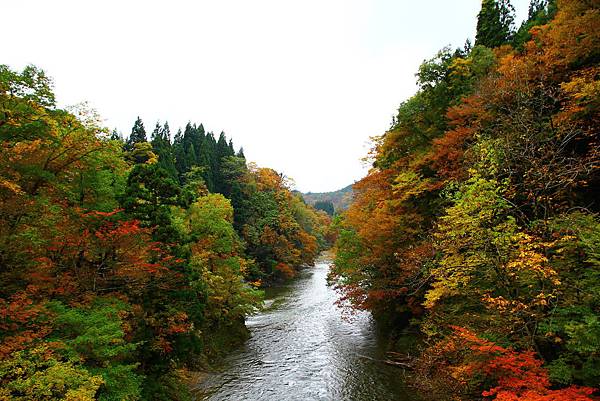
<point x="478" y="223"/>
<point x="341" y="199"/>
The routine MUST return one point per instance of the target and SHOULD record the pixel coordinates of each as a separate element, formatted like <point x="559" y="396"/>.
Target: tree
<point x="161" y="145"/>
<point x="540" y="13"/>
<point x="138" y="135"/>
<point x="118" y="268"/>
<point x="326" y="206"/>
<point x="179" y="155"/>
<point x="95" y="334"/>
<point x="223" y="149"/>
<point x="495" y="23"/>
<point x="116" y="136"/>
<point x="505" y="373"/>
<point x="32" y="84"/>
<point x="40" y="374"/>
<point x="148" y="196"/>
<point x="480" y="211"/>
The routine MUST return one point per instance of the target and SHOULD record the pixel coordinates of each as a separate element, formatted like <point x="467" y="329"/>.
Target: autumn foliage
<point x="480" y="213"/>
<point x="465" y="361"/>
<point x="119" y="266"/>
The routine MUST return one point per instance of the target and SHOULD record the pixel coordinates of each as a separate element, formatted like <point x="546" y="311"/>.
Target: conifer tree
<point x="179" y="154"/>
<point x="495" y="23"/>
<point x="223" y="149"/>
<point x="116" y="135"/>
<point x="208" y="160"/>
<point x="161" y="144"/>
<point x="138" y="134"/>
<point x="155" y="136"/>
<point x="198" y="140"/>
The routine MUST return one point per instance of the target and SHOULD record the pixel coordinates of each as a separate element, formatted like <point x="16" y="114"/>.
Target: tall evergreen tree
<point x="156" y="134"/>
<point x="190" y="147"/>
<point x="138" y="134"/>
<point x="179" y="154"/>
<point x="222" y="150"/>
<point x="198" y="141"/>
<point x="149" y="193"/>
<point x="495" y="23"/>
<point x="208" y="160"/>
<point x="236" y="188"/>
<point x="161" y="144"/>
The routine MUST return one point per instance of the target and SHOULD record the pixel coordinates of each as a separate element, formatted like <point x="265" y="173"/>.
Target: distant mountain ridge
<point x="341" y="199"/>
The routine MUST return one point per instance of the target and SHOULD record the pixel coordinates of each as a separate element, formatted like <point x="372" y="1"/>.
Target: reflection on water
<point x="302" y="349"/>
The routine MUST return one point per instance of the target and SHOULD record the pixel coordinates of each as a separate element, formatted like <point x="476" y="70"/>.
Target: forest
<point x="124" y="263"/>
<point x="477" y="225"/>
<point x="128" y="263"/>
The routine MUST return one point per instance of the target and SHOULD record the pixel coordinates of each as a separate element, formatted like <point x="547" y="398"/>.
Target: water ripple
<point x="302" y="349"/>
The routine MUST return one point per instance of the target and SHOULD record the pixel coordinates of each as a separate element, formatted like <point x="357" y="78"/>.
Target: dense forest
<point x="478" y="223"/>
<point x="127" y="263"/>
<point x="124" y="262"/>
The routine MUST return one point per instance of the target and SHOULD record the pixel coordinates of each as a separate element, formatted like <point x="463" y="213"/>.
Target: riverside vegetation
<point x="478" y="222"/>
<point x="123" y="262"/>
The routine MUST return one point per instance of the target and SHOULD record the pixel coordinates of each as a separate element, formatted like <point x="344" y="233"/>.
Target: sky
<point x="302" y="85"/>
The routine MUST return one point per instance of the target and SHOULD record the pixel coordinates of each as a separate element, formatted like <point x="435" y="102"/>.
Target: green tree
<point x="116" y="136"/>
<point x="39" y="374"/>
<point x="94" y="335"/>
<point x="179" y="155"/>
<point x="138" y="134"/>
<point x="495" y="23"/>
<point x="161" y="145"/>
<point x="223" y="149"/>
<point x="148" y="196"/>
<point x="326" y="206"/>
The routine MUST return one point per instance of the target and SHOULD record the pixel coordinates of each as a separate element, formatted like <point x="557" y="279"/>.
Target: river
<point x="302" y="348"/>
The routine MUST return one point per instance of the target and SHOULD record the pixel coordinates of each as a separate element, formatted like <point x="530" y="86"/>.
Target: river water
<point x="302" y="348"/>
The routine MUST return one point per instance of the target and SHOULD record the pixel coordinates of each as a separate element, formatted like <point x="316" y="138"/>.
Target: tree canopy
<point x="123" y="261"/>
<point x="478" y="223"/>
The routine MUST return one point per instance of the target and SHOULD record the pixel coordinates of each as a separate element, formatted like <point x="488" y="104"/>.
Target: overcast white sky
<point x="301" y="84"/>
